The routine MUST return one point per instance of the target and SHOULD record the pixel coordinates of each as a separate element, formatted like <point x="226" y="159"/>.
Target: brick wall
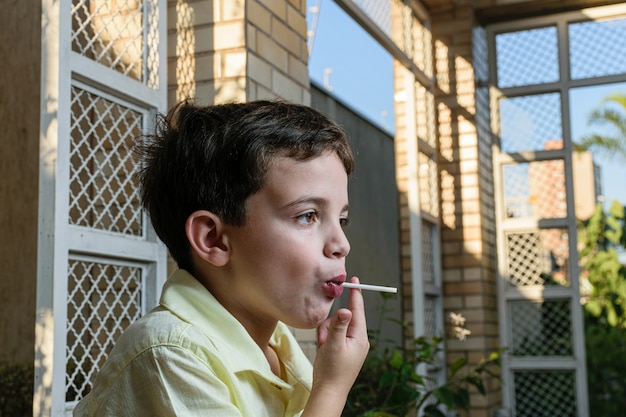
<point x="277" y="54"/>
<point x="468" y="221"/>
<point x="466" y="188"/>
<point x="222" y="50"/>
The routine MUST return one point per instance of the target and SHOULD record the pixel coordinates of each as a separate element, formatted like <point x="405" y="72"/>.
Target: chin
<point x="311" y="321"/>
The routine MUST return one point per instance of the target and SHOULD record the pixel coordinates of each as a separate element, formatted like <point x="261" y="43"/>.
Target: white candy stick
<point x="370" y="287"/>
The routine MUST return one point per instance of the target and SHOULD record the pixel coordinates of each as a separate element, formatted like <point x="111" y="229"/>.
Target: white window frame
<point x="577" y="361"/>
<point x="62" y="68"/>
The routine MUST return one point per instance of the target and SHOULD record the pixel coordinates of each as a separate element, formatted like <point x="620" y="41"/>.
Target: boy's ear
<point x="205" y="232"/>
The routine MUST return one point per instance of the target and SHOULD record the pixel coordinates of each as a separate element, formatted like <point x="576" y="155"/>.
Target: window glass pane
<point x="535" y="190"/>
<point x="531" y="123"/>
<point x="527" y="57"/>
<point x="597" y="48"/>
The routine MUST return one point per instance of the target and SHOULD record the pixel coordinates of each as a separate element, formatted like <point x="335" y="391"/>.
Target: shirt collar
<point x="186" y="297"/>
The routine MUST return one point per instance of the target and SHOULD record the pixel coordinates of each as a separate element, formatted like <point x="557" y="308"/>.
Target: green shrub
<point x="389" y="384"/>
<point x="606" y="368"/>
<point x="605" y="309"/>
<point x="16" y="389"/>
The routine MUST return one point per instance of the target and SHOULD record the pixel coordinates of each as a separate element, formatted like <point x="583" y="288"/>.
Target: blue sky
<point x="362" y="77"/>
<point x="362" y="71"/>
<point x="584" y="101"/>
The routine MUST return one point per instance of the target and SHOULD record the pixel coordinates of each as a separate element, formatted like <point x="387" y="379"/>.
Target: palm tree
<point x="611" y="112"/>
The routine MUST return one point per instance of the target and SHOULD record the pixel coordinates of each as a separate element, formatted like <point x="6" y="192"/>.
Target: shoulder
<point x="175" y="356"/>
<point x="158" y="331"/>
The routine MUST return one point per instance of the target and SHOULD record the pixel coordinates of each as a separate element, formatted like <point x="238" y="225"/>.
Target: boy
<point x="250" y="200"/>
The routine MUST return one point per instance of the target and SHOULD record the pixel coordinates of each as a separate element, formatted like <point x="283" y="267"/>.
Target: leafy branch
<point x="394" y="381"/>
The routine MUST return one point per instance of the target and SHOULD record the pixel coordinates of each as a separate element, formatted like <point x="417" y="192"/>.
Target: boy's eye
<point x="344" y="221"/>
<point x="307" y="218"/>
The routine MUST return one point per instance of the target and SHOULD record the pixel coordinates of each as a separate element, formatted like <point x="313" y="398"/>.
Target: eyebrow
<point x="319" y="201"/>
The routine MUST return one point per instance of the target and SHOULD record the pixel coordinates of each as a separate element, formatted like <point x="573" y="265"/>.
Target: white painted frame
<point x="577" y="361"/>
<point x="60" y="69"/>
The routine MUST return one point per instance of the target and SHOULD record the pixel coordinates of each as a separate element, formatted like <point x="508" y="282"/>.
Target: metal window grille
<point x="101" y="263"/>
<point x="103" y="184"/>
<point x="429" y="194"/>
<point x="535" y="63"/>
<point x="527" y="57"/>
<point x="537" y="258"/>
<point x="432" y="309"/>
<point x="431" y="316"/>
<point x="409" y="40"/>
<point x="103" y="298"/>
<point x="597" y="48"/>
<point x="378" y="11"/>
<point x="428" y="261"/>
<point x="425" y="120"/>
<point x="541" y="328"/>
<point x="531" y="123"/>
<point x="545" y="394"/>
<point x="534" y="190"/>
<point x="121" y="35"/>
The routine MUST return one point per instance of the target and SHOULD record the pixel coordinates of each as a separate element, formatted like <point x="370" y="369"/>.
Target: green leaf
<point x="432" y="411"/>
<point x="456" y="365"/>
<point x="396" y="360"/>
<point x="478" y="383"/>
<point x="462" y="399"/>
<point x="445" y="396"/>
<point x="594" y="307"/>
<point x="611" y="316"/>
<point x="387" y="379"/>
<point x="406" y="372"/>
<point x="417" y="379"/>
<point x="378" y="414"/>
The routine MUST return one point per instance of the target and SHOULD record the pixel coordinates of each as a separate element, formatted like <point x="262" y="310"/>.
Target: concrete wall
<point x="584" y="184"/>
<point x="20" y="49"/>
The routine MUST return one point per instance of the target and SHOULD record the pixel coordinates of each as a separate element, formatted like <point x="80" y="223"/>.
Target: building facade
<point x="483" y="193"/>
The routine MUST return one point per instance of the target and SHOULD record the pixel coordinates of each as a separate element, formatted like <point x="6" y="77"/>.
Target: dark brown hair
<point x="214" y="157"/>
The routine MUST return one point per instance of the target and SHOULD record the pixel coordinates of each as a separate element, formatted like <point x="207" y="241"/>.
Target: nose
<point x="337" y="244"/>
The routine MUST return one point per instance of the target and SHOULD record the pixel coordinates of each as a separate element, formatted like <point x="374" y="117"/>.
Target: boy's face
<point x="289" y="256"/>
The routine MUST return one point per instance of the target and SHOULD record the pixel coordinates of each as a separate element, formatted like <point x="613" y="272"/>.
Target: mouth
<point x="333" y="287"/>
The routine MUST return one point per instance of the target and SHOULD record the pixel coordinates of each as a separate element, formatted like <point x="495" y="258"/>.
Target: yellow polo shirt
<point x="191" y="357"/>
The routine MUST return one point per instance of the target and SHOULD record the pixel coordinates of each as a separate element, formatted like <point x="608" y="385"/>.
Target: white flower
<point x="457" y="319"/>
<point x="461" y="333"/>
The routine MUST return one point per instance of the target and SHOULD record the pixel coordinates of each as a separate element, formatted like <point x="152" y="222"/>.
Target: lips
<point x="333" y="288"/>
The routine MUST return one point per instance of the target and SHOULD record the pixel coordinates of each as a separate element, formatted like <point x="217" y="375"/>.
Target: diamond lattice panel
<point x="425" y="115"/>
<point x="535" y="190"/>
<point x="379" y="11"/>
<point x="112" y="33"/>
<point x="545" y="394"/>
<point x="537" y="258"/>
<point x="531" y="123"/>
<point x="103" y="185"/>
<point x="430" y="316"/>
<point x="428" y="191"/>
<point x="597" y="48"/>
<point x="428" y="264"/>
<point x="541" y="328"/>
<point x="103" y="299"/>
<point x="527" y="57"/>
